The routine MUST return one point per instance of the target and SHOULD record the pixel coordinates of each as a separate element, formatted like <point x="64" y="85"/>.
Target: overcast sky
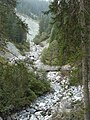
<point x="46" y="0"/>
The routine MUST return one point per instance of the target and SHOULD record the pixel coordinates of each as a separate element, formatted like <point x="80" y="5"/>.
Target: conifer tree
<point x="71" y="19"/>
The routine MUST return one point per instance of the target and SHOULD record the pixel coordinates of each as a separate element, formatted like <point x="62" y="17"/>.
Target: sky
<point x="46" y="0"/>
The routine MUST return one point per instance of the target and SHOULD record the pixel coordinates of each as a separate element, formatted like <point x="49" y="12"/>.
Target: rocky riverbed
<point x="59" y="98"/>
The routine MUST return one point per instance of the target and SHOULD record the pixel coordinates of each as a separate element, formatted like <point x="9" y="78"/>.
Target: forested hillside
<point x="44" y="60"/>
<point x="30" y="7"/>
<point x="71" y="21"/>
<point x="18" y="85"/>
<point x="11" y="27"/>
<point x="69" y="42"/>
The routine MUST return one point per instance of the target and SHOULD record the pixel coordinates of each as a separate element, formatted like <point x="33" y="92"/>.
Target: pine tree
<point x="72" y="18"/>
<point x="85" y="62"/>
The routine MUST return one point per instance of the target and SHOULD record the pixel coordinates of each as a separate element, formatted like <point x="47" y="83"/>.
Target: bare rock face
<point x="11" y="47"/>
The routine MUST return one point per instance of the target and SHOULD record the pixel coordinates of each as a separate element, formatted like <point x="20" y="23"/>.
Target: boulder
<point x="1" y="118"/>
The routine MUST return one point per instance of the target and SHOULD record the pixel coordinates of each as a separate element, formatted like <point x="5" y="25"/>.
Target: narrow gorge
<point x="58" y="100"/>
<point x="44" y="60"/>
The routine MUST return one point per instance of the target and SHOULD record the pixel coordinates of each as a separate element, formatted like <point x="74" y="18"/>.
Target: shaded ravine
<point x="58" y="99"/>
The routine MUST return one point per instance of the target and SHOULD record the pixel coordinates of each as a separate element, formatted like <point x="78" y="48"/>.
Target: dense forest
<point x="63" y="39"/>
<point x="17" y="83"/>
<point x="71" y="30"/>
<point x="10" y="25"/>
<point x="69" y="42"/>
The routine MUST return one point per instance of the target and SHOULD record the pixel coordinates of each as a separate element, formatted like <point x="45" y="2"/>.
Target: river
<point x="58" y="99"/>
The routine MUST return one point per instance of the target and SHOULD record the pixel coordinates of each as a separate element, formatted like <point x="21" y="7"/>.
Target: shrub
<point x="39" y="38"/>
<point x="19" y="87"/>
<point x="76" y="113"/>
<point x="50" y="55"/>
<point x="23" y="47"/>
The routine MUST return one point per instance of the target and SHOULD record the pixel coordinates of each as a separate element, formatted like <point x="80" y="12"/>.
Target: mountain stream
<point x="58" y="99"/>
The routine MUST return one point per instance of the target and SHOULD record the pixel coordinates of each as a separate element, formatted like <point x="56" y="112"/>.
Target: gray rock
<point x="32" y="110"/>
<point x="1" y="118"/>
<point x="9" y="118"/>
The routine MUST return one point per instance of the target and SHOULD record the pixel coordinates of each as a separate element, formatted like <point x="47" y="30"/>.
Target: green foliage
<point x="50" y="55"/>
<point x="39" y="87"/>
<point x="35" y="9"/>
<point x="40" y="37"/>
<point x="11" y="26"/>
<point x="75" y="77"/>
<point x="23" y="47"/>
<point x="44" y="24"/>
<point x="75" y="113"/>
<point x="66" y="30"/>
<point x="18" y="86"/>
